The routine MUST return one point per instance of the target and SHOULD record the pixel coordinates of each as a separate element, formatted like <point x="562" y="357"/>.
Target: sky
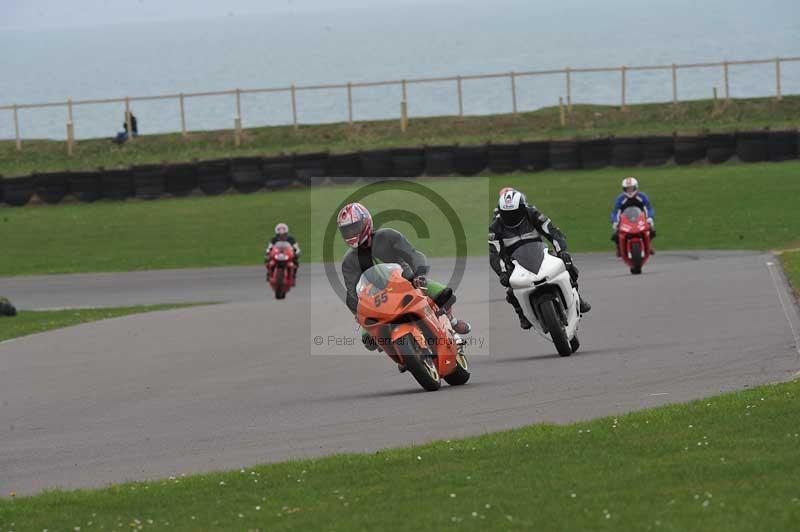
<point x="33" y="14"/>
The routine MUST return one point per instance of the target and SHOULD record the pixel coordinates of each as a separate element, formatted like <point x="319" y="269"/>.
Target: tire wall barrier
<point x="249" y="174"/>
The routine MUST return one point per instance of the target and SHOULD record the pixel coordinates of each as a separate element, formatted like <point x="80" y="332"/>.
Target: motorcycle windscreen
<point x="632" y="213"/>
<point x="530" y="256"/>
<point x="377" y="278"/>
<point x="282" y="245"/>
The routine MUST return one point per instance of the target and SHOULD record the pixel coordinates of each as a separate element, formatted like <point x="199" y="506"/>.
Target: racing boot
<point x="459" y="326"/>
<point x="523" y="321"/>
<point x="583" y="305"/>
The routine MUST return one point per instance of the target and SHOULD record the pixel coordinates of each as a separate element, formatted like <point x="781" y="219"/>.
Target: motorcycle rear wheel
<point x="556" y="328"/>
<point x="421" y="365"/>
<point x="461" y="374"/>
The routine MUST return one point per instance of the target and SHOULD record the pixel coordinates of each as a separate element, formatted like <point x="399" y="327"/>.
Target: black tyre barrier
<point x="564" y="155"/>
<point x="85" y="186"/>
<point x="51" y="187"/>
<point x="17" y="191"/>
<point x="408" y="162"/>
<point x="308" y="166"/>
<point x="376" y="163"/>
<point x="782" y="145"/>
<point x="439" y="160"/>
<point x="721" y="147"/>
<point x="1" y="189"/>
<point x="278" y="172"/>
<point x="470" y="160"/>
<point x="344" y="168"/>
<point x="213" y="176"/>
<point x="752" y="147"/>
<point x="656" y="150"/>
<point x="181" y="178"/>
<point x="595" y="153"/>
<point x="504" y="158"/>
<point x="117" y="184"/>
<point x="6" y="308"/>
<point x="626" y="151"/>
<point x="534" y="156"/>
<point x="148" y="181"/>
<point x="246" y="174"/>
<point x="690" y="149"/>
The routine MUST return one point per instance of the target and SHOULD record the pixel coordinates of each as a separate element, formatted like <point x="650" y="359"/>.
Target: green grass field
<point x="35" y="321"/>
<point x="585" y="121"/>
<point x="791" y="265"/>
<point x="724" y="463"/>
<point x="729" y="206"/>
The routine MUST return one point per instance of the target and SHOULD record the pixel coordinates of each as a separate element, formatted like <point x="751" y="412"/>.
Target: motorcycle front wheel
<point x="420" y="364"/>
<point x="556" y="328"/>
<point x="636" y="258"/>
<point x="461" y="374"/>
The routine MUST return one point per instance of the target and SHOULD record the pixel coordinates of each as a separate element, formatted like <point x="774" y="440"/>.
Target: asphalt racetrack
<point x="241" y="383"/>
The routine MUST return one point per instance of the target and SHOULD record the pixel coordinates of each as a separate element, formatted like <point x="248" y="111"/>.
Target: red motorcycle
<point x="634" y="239"/>
<point x="281" y="268"/>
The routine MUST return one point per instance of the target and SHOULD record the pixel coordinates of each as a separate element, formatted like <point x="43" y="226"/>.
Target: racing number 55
<point x="383" y="297"/>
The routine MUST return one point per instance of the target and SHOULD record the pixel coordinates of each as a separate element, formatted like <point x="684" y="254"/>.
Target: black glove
<point x="573" y="271"/>
<point x="504" y="279"/>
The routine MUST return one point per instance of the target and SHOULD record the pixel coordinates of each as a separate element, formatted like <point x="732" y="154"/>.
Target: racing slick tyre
<point x="461" y="374"/>
<point x="636" y="258"/>
<point x="280" y="291"/>
<point x="421" y="365"/>
<point x="556" y="328"/>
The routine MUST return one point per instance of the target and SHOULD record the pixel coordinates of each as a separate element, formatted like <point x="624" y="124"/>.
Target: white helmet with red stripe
<point x="630" y="186"/>
<point x="355" y="224"/>
<point x="512" y="205"/>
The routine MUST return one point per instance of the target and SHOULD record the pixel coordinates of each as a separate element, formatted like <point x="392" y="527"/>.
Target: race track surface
<point x="230" y="385"/>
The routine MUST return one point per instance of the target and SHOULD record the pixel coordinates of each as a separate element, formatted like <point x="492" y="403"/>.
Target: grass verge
<point x="35" y="321"/>
<point x="729" y="206"/>
<point x="585" y="121"/>
<point x="791" y="265"/>
<point x="724" y="463"/>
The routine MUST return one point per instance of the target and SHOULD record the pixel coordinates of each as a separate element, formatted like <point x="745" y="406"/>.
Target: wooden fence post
<point x="16" y="127"/>
<point x="128" y="121"/>
<point x="404" y="84"/>
<point x="513" y="77"/>
<point x="622" y="78"/>
<point x="237" y="121"/>
<point x="403" y="116"/>
<point x="349" y="104"/>
<point x="727" y="86"/>
<point x="460" y="97"/>
<point x="569" y="90"/>
<point x="674" y="84"/>
<point x="778" y="95"/>
<point x="294" y="107"/>
<point x="561" y="111"/>
<point x="70" y="129"/>
<point x="183" y="118"/>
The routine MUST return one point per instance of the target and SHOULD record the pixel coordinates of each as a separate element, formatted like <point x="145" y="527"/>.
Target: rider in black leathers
<point x="514" y="224"/>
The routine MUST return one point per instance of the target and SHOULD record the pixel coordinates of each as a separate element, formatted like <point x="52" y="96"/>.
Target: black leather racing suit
<point x="504" y="240"/>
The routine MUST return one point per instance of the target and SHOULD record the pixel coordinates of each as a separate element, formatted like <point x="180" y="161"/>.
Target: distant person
<point x="122" y="136"/>
<point x="282" y="235"/>
<point x="631" y="196"/>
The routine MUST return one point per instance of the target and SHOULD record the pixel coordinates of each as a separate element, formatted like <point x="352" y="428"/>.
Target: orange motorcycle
<point x="409" y="327"/>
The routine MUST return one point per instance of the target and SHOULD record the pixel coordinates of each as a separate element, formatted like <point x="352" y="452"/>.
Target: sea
<point x="409" y="41"/>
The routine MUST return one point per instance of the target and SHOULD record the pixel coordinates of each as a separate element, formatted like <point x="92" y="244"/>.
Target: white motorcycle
<point x="541" y="284"/>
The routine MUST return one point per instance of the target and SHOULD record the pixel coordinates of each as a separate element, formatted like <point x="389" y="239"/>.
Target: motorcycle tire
<point x="556" y="328"/>
<point x="461" y="374"/>
<point x="280" y="291"/>
<point x="636" y="258"/>
<point x="422" y="366"/>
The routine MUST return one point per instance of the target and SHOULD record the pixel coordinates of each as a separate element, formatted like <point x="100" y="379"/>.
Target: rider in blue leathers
<point x="631" y="196"/>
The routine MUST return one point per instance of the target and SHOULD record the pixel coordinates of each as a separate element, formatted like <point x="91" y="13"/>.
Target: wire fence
<point x="458" y="92"/>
